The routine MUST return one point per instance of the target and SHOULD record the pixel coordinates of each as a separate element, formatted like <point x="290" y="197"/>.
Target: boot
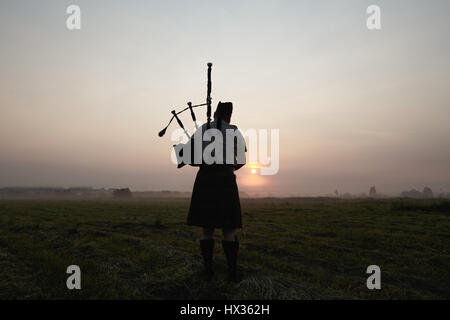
<point x="207" y="250"/>
<point x="231" y="249"/>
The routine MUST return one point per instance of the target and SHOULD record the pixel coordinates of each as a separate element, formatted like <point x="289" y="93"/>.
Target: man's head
<point x="224" y="111"/>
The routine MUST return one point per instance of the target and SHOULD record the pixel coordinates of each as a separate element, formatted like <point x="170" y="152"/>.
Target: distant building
<point x="122" y="193"/>
<point x="415" y="194"/>
<point x="373" y="192"/>
<point x="427" y="193"/>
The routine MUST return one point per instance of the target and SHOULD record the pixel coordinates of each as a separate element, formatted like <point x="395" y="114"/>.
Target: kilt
<point x="215" y="199"/>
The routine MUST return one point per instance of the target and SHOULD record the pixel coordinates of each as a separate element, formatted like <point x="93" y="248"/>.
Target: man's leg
<point x="229" y="234"/>
<point x="230" y="245"/>
<point x="207" y="250"/>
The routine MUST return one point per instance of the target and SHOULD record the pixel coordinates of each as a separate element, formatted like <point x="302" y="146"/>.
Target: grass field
<point x="290" y="249"/>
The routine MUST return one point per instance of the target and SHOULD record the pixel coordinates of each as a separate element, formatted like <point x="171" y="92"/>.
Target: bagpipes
<point x="179" y="147"/>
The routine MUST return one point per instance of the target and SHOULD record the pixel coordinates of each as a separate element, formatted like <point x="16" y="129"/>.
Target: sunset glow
<point x="354" y="108"/>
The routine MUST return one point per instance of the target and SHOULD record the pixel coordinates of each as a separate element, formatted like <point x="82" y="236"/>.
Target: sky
<point x="354" y="107"/>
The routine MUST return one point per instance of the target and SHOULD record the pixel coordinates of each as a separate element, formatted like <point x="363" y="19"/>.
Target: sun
<point x="252" y="177"/>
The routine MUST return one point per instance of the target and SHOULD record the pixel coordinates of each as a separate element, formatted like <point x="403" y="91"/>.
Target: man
<point x="215" y="198"/>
